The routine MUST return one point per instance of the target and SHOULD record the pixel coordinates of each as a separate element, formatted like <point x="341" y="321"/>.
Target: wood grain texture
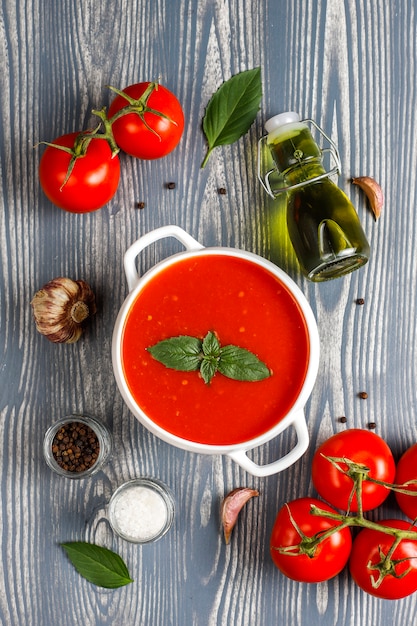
<point x="349" y="65"/>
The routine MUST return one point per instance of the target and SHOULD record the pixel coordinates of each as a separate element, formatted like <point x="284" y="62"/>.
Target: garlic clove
<point x="231" y="507"/>
<point x="373" y="192"/>
<point x="61" y="309"/>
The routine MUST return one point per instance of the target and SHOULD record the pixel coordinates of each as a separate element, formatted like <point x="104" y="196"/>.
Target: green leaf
<point x="211" y="345"/>
<point x="181" y="353"/>
<point x="232" y="109"/>
<point x="241" y="364"/>
<point x="211" y="355"/>
<point x="99" y="565"/>
<point x="208" y="368"/>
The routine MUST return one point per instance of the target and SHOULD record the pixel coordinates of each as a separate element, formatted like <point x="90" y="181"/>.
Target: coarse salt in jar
<point x="142" y="510"/>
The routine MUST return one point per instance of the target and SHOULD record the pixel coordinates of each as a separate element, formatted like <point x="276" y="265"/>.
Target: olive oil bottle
<point x="323" y="225"/>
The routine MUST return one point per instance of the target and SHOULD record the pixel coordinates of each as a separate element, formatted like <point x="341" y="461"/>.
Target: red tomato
<point x="368" y="551"/>
<point x="407" y="470"/>
<point x="146" y="134"/>
<point x="330" y="556"/>
<point x="362" y="447"/>
<point x="92" y="182"/>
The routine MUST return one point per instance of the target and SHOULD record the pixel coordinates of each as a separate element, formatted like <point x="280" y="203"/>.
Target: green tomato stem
<point x="360" y="521"/>
<point x="138" y="106"/>
<point x="108" y="131"/>
<point x="82" y="141"/>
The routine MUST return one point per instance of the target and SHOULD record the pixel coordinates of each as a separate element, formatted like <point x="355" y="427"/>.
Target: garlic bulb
<point x="61" y="309"/>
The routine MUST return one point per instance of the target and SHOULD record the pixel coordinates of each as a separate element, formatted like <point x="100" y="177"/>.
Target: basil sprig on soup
<point x="189" y="354"/>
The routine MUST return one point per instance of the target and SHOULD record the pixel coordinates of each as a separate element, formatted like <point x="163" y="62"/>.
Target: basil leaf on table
<point x="232" y="109"/>
<point x="98" y="565"/>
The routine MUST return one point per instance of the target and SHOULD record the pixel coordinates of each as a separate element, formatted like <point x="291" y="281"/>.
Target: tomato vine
<point x="386" y="564"/>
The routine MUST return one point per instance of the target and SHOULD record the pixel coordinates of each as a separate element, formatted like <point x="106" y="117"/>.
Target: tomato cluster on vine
<point x="312" y="541"/>
<point x="80" y="171"/>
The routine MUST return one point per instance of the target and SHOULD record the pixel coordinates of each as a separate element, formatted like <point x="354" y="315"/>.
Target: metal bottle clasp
<point x="334" y="168"/>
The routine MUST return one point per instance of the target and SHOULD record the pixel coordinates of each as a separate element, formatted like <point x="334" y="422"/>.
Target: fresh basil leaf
<point x="99" y="565"/>
<point x="208" y="368"/>
<point x="232" y="109"/>
<point x="211" y="345"/>
<point x="181" y="353"/>
<point x="241" y="364"/>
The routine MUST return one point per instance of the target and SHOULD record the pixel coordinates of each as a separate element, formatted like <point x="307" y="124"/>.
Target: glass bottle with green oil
<point x="323" y="225"/>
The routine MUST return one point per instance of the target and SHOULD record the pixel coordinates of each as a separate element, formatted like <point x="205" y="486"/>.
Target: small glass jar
<point x="142" y="510"/>
<point x="91" y="449"/>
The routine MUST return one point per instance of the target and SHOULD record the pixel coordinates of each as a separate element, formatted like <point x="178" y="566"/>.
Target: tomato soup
<point x="245" y="305"/>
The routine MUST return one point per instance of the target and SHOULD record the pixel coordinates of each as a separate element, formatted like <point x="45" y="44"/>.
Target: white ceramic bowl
<point x="238" y="452"/>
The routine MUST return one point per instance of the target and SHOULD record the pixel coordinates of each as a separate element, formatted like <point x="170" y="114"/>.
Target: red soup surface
<point x="245" y="305"/>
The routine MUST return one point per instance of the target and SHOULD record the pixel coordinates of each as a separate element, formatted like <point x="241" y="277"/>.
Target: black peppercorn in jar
<point x="77" y="446"/>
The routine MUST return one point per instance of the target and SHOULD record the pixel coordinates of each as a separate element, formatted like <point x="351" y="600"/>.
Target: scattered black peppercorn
<point x="171" y="185"/>
<point x="363" y="395"/>
<point x="372" y="425"/>
<point x="140" y="205"/>
<point x="343" y="419"/>
<point x="222" y="191"/>
<point x="360" y="301"/>
<point x="75" y="447"/>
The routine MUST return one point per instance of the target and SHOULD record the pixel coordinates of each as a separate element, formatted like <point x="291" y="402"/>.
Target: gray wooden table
<point x="348" y="64"/>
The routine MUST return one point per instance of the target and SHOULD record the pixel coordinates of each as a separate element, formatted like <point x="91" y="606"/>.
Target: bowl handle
<point x="300" y="426"/>
<point x="143" y="242"/>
